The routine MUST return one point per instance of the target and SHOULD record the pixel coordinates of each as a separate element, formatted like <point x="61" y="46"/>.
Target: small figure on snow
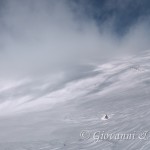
<point x="106" y="117"/>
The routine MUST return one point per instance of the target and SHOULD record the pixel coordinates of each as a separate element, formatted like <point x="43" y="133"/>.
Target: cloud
<point x="48" y="34"/>
<point x="54" y="40"/>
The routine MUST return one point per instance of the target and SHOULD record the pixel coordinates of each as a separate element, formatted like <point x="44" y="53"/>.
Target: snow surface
<point x="37" y="115"/>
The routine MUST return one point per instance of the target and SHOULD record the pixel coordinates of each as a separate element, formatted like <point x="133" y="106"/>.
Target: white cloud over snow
<point x="41" y="38"/>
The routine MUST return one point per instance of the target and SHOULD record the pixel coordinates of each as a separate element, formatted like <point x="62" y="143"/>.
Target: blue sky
<point x="124" y="13"/>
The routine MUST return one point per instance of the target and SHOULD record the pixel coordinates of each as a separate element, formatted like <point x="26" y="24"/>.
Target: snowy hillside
<point x="37" y="115"/>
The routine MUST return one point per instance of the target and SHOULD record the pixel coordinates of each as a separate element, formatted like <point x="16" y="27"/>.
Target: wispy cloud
<point x="41" y="38"/>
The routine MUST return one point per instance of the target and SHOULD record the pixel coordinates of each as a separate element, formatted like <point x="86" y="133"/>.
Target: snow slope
<point x="39" y="114"/>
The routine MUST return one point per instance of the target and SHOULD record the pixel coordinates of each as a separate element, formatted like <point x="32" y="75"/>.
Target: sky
<point x="57" y="34"/>
<point x="124" y="14"/>
<point x="57" y="41"/>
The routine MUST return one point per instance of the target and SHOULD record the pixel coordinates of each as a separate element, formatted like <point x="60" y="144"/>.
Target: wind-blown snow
<point x="36" y="114"/>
